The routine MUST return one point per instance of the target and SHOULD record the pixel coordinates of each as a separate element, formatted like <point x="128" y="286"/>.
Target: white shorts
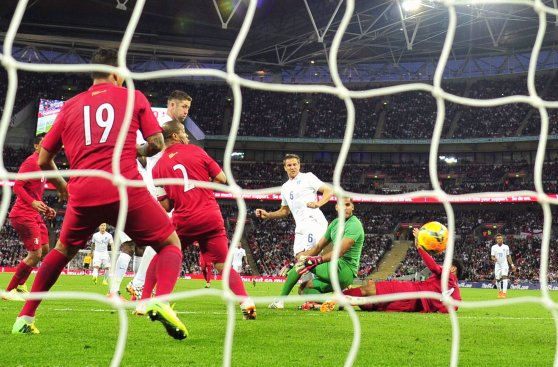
<point x="501" y="270"/>
<point x="308" y="235"/>
<point x="101" y="260"/>
<point x="237" y="267"/>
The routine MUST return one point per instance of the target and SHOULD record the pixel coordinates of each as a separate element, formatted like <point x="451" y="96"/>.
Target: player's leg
<point x="146" y="258"/>
<point x="122" y="263"/>
<point x="148" y="223"/>
<point x="206" y="270"/>
<point x="303" y="241"/>
<point x="48" y="274"/>
<point x="505" y="282"/>
<point x="96" y="266"/>
<point x="498" y="279"/>
<point x="106" y="268"/>
<point x="214" y="248"/>
<point x="34" y="235"/>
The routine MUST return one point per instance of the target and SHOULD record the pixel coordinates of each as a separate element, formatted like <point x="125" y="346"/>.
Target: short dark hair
<point x="38" y="138"/>
<point x="179" y="95"/>
<point x="290" y="156"/>
<point x="499" y="235"/>
<point x="171" y="127"/>
<point x="105" y="56"/>
<point x="459" y="266"/>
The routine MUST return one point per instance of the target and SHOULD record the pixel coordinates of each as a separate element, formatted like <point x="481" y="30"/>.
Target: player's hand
<point x="285" y="269"/>
<point x="63" y="194"/>
<point x="415" y="234"/>
<point x="50" y="213"/>
<point x="307" y="263"/>
<point x="39" y="206"/>
<point x="312" y="205"/>
<point x="260" y="213"/>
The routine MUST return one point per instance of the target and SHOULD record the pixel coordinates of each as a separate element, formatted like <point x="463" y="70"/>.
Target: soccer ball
<point x="433" y="237"/>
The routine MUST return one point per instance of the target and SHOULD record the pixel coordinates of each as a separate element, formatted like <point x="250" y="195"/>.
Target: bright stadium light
<point x="410" y="5"/>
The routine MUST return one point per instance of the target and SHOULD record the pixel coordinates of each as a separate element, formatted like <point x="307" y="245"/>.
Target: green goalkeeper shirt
<point x="354" y="231"/>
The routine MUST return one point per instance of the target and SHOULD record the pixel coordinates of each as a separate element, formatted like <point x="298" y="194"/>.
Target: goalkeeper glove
<point x="285" y="269"/>
<point x="307" y="263"/>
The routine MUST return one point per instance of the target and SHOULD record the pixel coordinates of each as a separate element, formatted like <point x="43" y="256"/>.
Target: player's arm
<point x="153" y="146"/>
<point x="220" y="178"/>
<point x="327" y="192"/>
<point x="46" y="162"/>
<point x="163" y="199"/>
<point x="428" y="260"/>
<point x="21" y="191"/>
<point x="282" y="212"/>
<point x="510" y="261"/>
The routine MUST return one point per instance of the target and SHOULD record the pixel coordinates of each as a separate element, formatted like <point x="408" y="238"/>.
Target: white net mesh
<point x="337" y="89"/>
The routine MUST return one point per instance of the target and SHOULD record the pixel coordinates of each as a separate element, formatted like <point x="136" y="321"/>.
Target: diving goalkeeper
<point x="349" y="257"/>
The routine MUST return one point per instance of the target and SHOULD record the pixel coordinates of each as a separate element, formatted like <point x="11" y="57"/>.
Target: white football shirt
<point x="299" y="191"/>
<point x="101" y="241"/>
<point x="238" y="255"/>
<point x="501" y="253"/>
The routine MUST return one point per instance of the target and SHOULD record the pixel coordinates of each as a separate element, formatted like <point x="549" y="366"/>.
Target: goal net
<point x="344" y="94"/>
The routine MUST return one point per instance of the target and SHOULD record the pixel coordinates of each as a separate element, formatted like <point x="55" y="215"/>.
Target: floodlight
<point x="410" y="5"/>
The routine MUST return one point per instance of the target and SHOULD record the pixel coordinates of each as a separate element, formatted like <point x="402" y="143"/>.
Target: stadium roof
<point x="284" y="33"/>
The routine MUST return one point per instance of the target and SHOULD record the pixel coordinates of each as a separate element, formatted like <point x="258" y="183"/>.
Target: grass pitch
<point x="84" y="333"/>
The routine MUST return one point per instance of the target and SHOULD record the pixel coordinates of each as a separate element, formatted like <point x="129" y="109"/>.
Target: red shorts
<point x="147" y="223"/>
<point x="391" y="287"/>
<point x="32" y="231"/>
<point x="214" y="245"/>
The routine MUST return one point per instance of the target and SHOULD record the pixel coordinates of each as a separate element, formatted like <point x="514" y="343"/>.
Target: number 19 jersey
<point x="88" y="126"/>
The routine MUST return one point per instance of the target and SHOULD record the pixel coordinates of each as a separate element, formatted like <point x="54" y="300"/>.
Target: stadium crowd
<point x="408" y="115"/>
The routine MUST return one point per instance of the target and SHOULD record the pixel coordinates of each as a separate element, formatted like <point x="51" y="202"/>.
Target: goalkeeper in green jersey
<point x="347" y="265"/>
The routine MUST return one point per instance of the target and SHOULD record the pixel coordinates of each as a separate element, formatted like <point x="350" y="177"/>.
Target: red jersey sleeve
<point x="213" y="167"/>
<point x="20" y="188"/>
<point x="53" y="139"/>
<point x="429" y="261"/>
<point x="148" y="124"/>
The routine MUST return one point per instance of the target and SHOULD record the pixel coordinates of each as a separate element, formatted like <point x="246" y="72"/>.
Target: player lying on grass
<point x="349" y="256"/>
<point x="432" y="284"/>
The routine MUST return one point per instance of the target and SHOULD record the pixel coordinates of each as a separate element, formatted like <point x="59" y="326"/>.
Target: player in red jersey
<point x="206" y="267"/>
<point x="196" y="216"/>
<point x="88" y="126"/>
<point x="425" y="305"/>
<point x="26" y="217"/>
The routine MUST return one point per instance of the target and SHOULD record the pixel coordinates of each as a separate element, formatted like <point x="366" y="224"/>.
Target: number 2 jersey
<point x="88" y="126"/>
<point x="195" y="209"/>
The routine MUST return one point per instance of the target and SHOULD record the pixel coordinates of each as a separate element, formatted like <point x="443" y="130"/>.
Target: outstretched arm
<point x="282" y="212"/>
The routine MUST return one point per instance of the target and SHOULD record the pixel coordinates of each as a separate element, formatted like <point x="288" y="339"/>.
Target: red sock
<point x="150" y="278"/>
<point x="20" y="277"/>
<point x="236" y="284"/>
<point x="354" y="292"/>
<point x="207" y="271"/>
<point x="48" y="274"/>
<point x="168" y="269"/>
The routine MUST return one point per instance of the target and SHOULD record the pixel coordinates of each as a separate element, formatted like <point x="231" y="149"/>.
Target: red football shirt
<point x="88" y="126"/>
<point x="194" y="207"/>
<point x="28" y="190"/>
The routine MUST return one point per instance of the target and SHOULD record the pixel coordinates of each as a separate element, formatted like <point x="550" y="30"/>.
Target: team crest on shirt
<point x="36" y="240"/>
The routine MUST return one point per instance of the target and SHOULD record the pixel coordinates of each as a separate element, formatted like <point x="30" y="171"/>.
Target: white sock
<point x="121" y="266"/>
<point x="137" y="262"/>
<point x="95" y="272"/>
<point x="498" y="285"/>
<point x="505" y="285"/>
<point x="107" y="273"/>
<point x="139" y="278"/>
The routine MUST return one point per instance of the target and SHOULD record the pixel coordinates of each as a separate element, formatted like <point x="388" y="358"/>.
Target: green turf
<point x="83" y="333"/>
